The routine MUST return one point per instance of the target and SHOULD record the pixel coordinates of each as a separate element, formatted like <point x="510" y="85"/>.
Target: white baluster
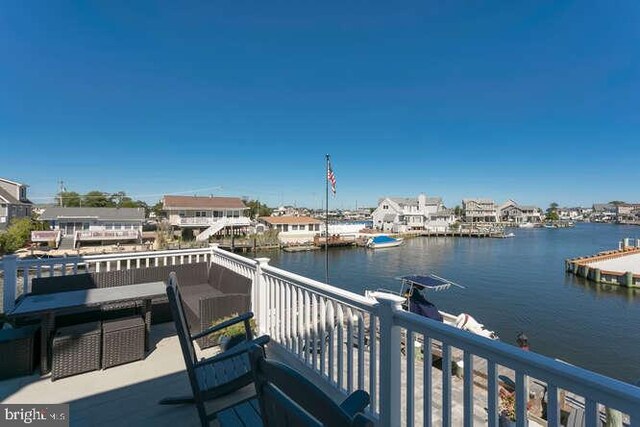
<point x="468" y="389"/>
<point x="410" y="394"/>
<point x="427" y="379"/>
<point x="10" y="267"/>
<point x="390" y="372"/>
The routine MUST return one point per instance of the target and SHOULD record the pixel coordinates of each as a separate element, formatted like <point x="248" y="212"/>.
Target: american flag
<point x="332" y="179"/>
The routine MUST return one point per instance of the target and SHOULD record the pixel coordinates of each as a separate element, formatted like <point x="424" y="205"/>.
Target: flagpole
<point x="326" y="222"/>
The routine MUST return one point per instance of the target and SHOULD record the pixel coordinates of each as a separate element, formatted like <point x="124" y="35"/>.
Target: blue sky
<point x="535" y="101"/>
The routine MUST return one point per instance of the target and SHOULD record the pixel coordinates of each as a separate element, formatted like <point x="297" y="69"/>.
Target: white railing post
<point x="390" y="364"/>
<point x="212" y="248"/>
<point x="259" y="296"/>
<point x="10" y="267"/>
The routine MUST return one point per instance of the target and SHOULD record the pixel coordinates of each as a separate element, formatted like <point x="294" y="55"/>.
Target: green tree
<point x="457" y="211"/>
<point x="257" y="209"/>
<point x="97" y="199"/>
<point x="158" y="209"/>
<point x="617" y="203"/>
<point x="69" y="198"/>
<point x="17" y="235"/>
<point x="552" y="212"/>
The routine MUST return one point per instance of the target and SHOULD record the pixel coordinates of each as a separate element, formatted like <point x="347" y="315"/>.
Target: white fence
<point x="357" y="342"/>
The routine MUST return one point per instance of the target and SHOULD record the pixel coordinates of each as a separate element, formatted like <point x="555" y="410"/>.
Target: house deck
<point x="129" y="394"/>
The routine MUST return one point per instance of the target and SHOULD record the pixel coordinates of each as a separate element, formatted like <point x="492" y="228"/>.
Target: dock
<point x="616" y="267"/>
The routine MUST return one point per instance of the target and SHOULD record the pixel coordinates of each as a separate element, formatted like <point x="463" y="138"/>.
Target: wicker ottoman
<point x="122" y="341"/>
<point x="76" y="349"/>
<point x="16" y="351"/>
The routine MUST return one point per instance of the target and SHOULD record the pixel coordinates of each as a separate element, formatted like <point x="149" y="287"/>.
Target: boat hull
<point x="384" y="245"/>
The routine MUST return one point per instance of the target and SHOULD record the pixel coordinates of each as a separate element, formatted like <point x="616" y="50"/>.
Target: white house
<point x="479" y="210"/>
<point x="82" y="225"/>
<point x="13" y="202"/>
<point x="511" y="211"/>
<point x="400" y="214"/>
<point x="293" y="229"/>
<point x="207" y="216"/>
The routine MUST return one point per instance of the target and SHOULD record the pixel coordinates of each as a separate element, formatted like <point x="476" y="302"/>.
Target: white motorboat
<point x="526" y="225"/>
<point x="379" y="242"/>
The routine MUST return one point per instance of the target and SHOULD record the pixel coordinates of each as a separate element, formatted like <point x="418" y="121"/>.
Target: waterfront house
<point x="627" y="212"/>
<point x="479" y="210"/>
<point x="293" y="229"/>
<point x="510" y="211"/>
<point x="207" y="216"/>
<point x="401" y="214"/>
<point x="13" y="202"/>
<point x="289" y="211"/>
<point x="603" y="212"/>
<point x="80" y="225"/>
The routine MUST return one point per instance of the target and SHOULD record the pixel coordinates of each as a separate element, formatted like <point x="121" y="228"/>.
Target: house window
<point x="385" y="206"/>
<point x="294" y="227"/>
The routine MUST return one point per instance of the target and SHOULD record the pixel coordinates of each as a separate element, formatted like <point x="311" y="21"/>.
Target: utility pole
<point x="60" y="190"/>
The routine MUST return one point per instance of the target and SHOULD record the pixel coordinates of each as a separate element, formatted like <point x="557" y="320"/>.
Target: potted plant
<point x="233" y="335"/>
<point x="507" y="408"/>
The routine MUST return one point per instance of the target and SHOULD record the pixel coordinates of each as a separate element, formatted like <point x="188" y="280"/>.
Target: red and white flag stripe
<point x="332" y="179"/>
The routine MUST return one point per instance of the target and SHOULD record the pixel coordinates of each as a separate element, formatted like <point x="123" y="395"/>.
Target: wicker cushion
<point x="191" y="297"/>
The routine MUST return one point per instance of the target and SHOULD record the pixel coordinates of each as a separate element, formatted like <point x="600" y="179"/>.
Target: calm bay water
<point x="512" y="285"/>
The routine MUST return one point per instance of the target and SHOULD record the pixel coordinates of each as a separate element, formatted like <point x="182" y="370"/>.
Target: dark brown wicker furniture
<point x="209" y="293"/>
<point x="122" y="341"/>
<point x="76" y="349"/>
<point x="219" y="375"/>
<point x="47" y="307"/>
<point x="17" y="351"/>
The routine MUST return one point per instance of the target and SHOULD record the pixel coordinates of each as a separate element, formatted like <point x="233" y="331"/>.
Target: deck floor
<point x="122" y="395"/>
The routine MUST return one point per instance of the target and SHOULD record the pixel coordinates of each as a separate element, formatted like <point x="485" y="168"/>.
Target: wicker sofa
<point x="209" y="293"/>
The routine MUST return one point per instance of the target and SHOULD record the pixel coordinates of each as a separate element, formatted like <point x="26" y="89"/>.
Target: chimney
<point x="422" y="202"/>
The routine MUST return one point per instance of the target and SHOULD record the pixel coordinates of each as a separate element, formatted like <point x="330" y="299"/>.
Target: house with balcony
<point x="293" y="229"/>
<point x="479" y="210"/>
<point x="13" y="202"/>
<point x="603" y="212"/>
<point x="628" y="213"/>
<point x="514" y="213"/>
<point x="76" y="226"/>
<point x="402" y="214"/>
<point x="205" y="217"/>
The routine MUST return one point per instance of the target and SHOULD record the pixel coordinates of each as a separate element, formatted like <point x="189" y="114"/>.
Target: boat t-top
<point x="414" y="288"/>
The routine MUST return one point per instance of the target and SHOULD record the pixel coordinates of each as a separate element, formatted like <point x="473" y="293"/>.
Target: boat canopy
<point x="430" y="281"/>
<point x="383" y="239"/>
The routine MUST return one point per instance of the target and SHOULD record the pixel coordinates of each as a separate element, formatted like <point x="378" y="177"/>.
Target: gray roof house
<point x="13" y="202"/>
<point x="479" y="210"/>
<point x="78" y="225"/>
<point x="400" y="214"/>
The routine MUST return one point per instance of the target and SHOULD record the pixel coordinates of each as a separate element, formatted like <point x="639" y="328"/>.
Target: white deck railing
<point x="107" y="235"/>
<point x="357" y="342"/>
